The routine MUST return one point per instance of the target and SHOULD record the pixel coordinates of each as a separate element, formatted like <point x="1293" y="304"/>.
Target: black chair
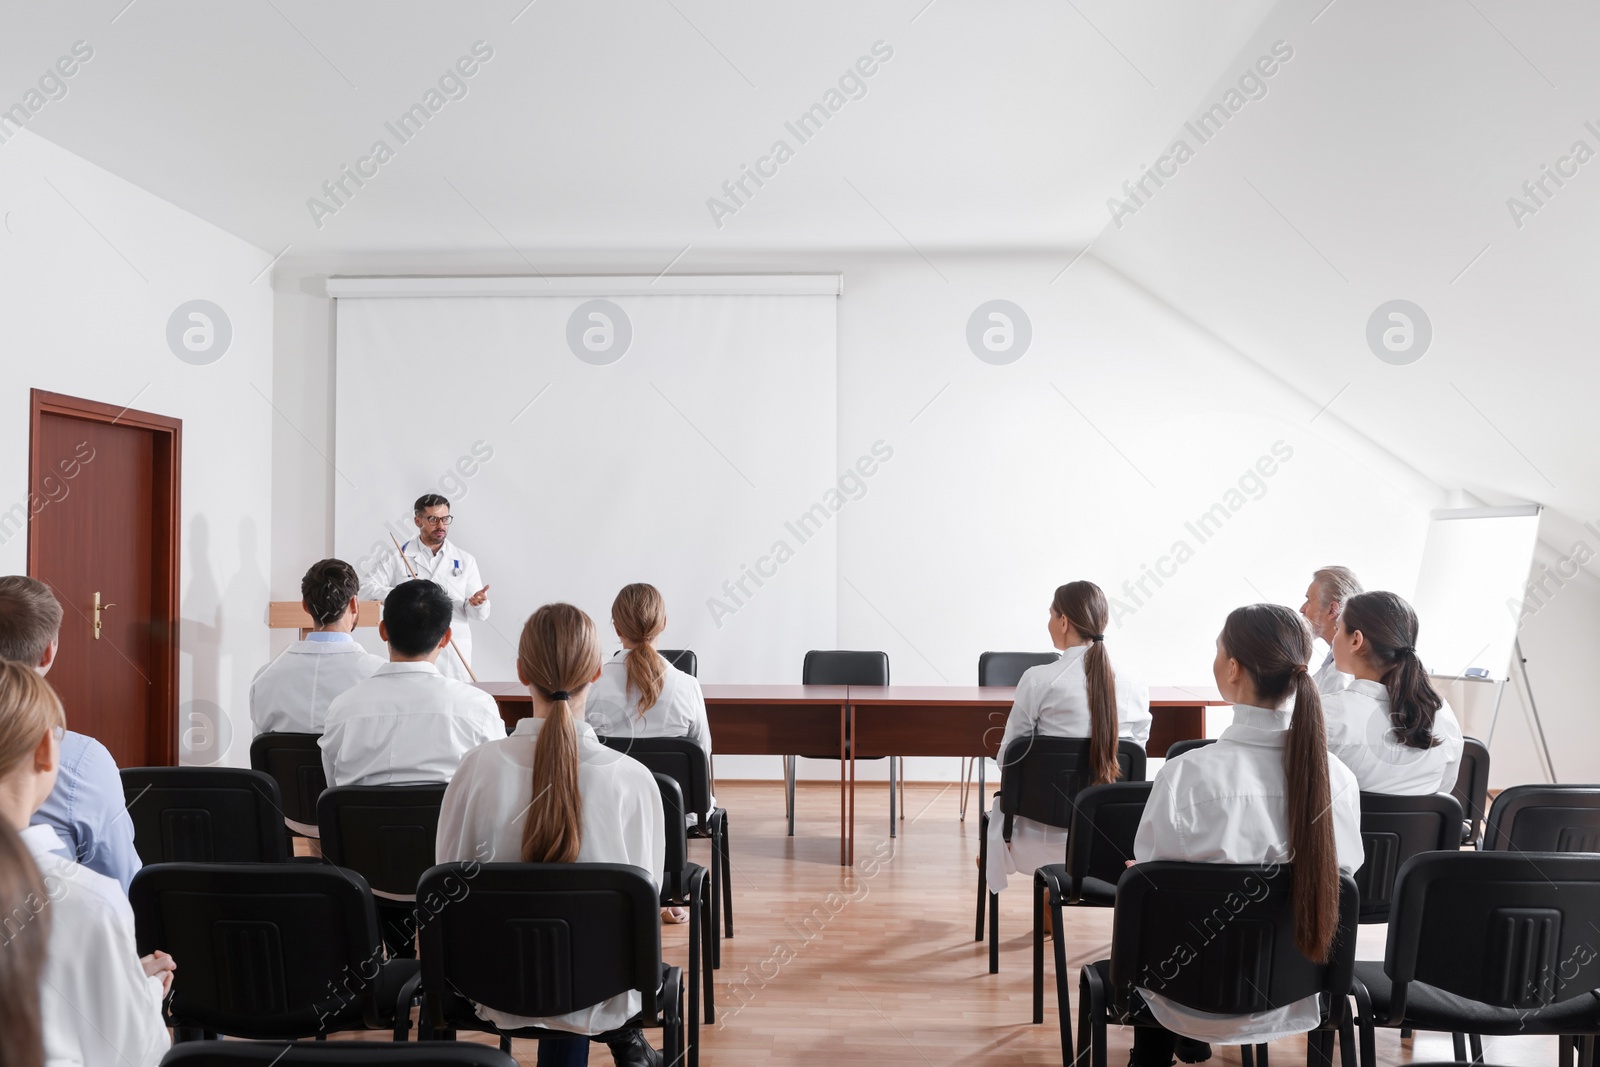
<point x="998" y="669"/>
<point x="842" y="668"/>
<point x="295" y="762"/>
<point x="543" y="939"/>
<point x="684" y="761"/>
<point x="1040" y="779"/>
<point x="682" y="658"/>
<point x="387" y="833"/>
<point x="1217" y="938"/>
<point x="1544" y="818"/>
<point x="683" y="884"/>
<point x="1393" y="829"/>
<point x="1188" y="744"/>
<point x="1472" y="789"/>
<point x="1105" y="821"/>
<point x="204" y="815"/>
<point x="1487" y="943"/>
<point x="334" y="1054"/>
<point x="271" y="950"/>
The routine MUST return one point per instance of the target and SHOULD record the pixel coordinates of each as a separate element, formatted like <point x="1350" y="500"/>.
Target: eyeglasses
<point x="437" y="520"/>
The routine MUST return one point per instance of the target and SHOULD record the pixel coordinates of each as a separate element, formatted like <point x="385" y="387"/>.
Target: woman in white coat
<point x="640" y="694"/>
<point x="1266" y="792"/>
<point x="99" y="1002"/>
<point x="595" y="805"/>
<point x="1389" y="726"/>
<point x="1079" y="695"/>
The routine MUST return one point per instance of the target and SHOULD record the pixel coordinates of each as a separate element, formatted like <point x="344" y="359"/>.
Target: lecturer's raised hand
<point x="479" y="597"/>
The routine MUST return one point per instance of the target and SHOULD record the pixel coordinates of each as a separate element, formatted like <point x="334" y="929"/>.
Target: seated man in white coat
<point x="408" y="724"/>
<point x="292" y="693"/>
<point x="1330" y="587"/>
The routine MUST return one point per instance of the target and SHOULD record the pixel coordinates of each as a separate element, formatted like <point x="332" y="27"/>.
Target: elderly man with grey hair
<point x="1330" y="587"/>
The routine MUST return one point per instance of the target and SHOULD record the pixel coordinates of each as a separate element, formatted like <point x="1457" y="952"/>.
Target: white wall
<point x="92" y="267"/>
<point x="998" y="490"/>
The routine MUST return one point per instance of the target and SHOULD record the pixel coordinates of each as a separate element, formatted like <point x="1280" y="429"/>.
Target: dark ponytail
<point x="1272" y="644"/>
<point x="1390" y="627"/>
<point x="1084" y="606"/>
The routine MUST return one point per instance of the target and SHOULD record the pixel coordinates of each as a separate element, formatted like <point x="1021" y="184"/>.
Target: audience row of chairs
<point x="1527" y="825"/>
<point x="386" y="834"/>
<point x="279" y="951"/>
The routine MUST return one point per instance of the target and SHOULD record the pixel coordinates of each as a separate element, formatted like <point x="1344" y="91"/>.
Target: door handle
<point x="98" y="608"/>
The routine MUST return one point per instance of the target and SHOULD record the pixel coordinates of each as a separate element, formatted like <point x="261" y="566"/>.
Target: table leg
<point x="850" y="835"/>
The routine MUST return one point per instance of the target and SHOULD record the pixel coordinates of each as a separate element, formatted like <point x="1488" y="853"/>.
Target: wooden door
<point x="107" y="526"/>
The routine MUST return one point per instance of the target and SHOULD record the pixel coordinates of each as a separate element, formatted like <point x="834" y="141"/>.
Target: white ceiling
<point x="1376" y="167"/>
<point x="609" y="125"/>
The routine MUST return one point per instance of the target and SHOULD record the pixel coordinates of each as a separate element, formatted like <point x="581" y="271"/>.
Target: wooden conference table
<point x="894" y="720"/>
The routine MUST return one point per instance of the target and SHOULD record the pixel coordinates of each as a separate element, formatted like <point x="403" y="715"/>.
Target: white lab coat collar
<point x="1368" y="687"/>
<point x="530" y="727"/>
<point x="1266" y="727"/>
<point x="41" y="840"/>
<point x="415" y="547"/>
<point x="407" y="667"/>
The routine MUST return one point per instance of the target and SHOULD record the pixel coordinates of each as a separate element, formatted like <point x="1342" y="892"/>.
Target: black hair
<point x="428" y="500"/>
<point x="1390" y="627"/>
<point x="327" y="589"/>
<point x="416" y="614"/>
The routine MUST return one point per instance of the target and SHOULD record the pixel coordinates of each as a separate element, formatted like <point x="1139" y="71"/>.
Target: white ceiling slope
<point x="1373" y="163"/>
<point x="1379" y="167"/>
<point x="611" y="124"/>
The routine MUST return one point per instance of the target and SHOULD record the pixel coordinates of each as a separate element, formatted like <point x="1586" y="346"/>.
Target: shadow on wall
<point x="215" y="681"/>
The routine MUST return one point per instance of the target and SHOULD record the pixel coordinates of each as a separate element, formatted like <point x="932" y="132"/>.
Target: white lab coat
<point x="1330" y="679"/>
<point x="98" y="1005"/>
<point x="1053" y="701"/>
<point x="292" y="693"/>
<point x="1229" y="803"/>
<point x="680" y="710"/>
<point x="485" y="809"/>
<point x="453" y="569"/>
<point x="1360" y="734"/>
<point x="406" y="725"/>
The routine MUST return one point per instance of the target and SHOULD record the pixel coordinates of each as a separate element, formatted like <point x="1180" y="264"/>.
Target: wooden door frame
<point x="167" y="434"/>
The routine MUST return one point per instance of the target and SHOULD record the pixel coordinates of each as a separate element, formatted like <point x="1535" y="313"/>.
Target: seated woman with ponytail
<point x="1390" y="726"/>
<point x="551" y="793"/>
<point x="1266" y="792"/>
<point x="1079" y="695"/>
<point x="640" y="694"/>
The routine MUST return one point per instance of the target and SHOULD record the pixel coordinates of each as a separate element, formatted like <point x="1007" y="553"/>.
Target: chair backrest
<point x="1007" y="668"/>
<point x="1220" y="938"/>
<point x="1544" y="818"/>
<point x="537" y="939"/>
<point x="676" y="857"/>
<point x="837" y="667"/>
<point x="1472" y="785"/>
<point x="1393" y="829"/>
<point x="386" y="832"/>
<point x="682" y="658"/>
<point x="1188" y="744"/>
<point x="205" y="815"/>
<point x="1513" y="930"/>
<point x="1041" y="777"/>
<point x="1105" y="820"/>
<point x="295" y="763"/>
<point x="335" y="1054"/>
<point x="268" y="950"/>
<point x="679" y="758"/>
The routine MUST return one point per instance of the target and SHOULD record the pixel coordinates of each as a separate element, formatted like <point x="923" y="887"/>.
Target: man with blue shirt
<point x="291" y="694"/>
<point x="86" y="807"/>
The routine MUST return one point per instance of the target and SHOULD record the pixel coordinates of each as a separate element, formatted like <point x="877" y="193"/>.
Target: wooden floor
<point x="877" y="965"/>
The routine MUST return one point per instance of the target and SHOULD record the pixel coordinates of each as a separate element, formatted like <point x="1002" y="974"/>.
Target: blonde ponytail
<point x="640" y="614"/>
<point x="558" y="654"/>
